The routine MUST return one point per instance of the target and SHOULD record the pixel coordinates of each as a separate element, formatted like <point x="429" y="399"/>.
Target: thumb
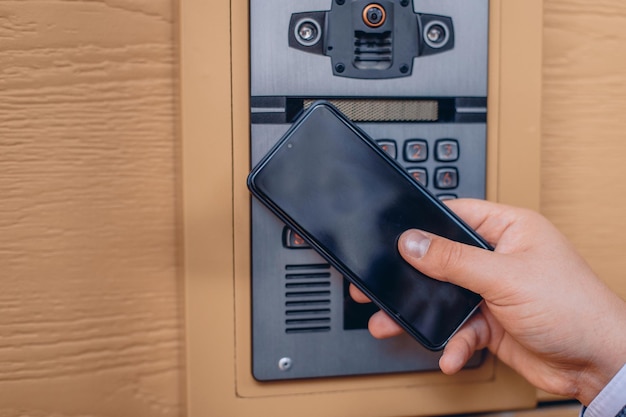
<point x="473" y="268"/>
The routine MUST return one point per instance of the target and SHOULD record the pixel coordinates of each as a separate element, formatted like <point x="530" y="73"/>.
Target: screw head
<point x="284" y="364"/>
<point x="404" y="68"/>
<point x="340" y="68"/>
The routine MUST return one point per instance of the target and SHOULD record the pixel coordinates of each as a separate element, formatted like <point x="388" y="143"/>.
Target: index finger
<point x="357" y="295"/>
<point x="488" y="219"/>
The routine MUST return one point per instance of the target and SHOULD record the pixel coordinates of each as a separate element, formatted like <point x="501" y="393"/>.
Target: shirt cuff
<point x="611" y="400"/>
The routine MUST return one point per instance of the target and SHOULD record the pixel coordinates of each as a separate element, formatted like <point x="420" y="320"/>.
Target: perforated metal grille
<point x="386" y="110"/>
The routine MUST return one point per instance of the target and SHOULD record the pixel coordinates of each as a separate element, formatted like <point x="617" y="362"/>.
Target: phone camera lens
<point x="307" y="32"/>
<point x="436" y="34"/>
<point x="374" y="15"/>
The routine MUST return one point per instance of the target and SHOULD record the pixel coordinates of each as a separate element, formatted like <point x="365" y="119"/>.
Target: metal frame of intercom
<point x="215" y="216"/>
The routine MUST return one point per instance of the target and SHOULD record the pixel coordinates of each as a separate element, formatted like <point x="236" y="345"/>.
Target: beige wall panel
<point x="90" y="320"/>
<point x="584" y="129"/>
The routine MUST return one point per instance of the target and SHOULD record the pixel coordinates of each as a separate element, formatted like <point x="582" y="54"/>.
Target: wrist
<point x="591" y="383"/>
<point x="610" y="401"/>
<point x="608" y="357"/>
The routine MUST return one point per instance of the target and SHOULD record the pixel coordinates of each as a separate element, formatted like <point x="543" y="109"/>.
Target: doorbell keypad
<point x="444" y="177"/>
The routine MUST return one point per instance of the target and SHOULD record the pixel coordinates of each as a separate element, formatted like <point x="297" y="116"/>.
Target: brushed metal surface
<point x="277" y="69"/>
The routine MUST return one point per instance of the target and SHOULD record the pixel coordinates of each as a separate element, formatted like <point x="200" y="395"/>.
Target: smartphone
<point x="333" y="185"/>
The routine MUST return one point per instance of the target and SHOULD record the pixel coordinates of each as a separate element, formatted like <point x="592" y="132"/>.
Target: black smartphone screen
<point x="332" y="184"/>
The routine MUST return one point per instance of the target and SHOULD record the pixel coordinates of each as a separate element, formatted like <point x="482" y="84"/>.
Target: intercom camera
<point x="366" y="39"/>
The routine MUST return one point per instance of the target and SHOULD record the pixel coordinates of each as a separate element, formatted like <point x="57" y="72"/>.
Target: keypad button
<point x="420" y="175"/>
<point x="446" y="178"/>
<point x="388" y="146"/>
<point x="292" y="240"/>
<point x="447" y="150"/>
<point x="416" y="150"/>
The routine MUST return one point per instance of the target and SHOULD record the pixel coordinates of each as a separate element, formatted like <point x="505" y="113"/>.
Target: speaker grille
<point x="373" y="51"/>
<point x="307" y="298"/>
<point x="361" y="110"/>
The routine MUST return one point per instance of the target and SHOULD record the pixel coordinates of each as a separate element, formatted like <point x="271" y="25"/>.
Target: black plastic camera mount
<point x="371" y="38"/>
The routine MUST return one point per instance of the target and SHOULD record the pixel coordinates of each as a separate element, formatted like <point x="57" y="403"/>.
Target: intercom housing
<point x="231" y="113"/>
<point x="413" y="75"/>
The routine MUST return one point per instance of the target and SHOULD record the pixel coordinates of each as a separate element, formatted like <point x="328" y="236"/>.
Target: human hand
<point x="545" y="314"/>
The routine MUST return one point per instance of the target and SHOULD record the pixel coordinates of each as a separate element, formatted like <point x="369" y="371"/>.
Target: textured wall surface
<point x="90" y="298"/>
<point x="584" y="129"/>
<point x="89" y="280"/>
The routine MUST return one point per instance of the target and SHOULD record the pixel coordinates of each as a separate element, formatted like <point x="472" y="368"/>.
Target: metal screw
<point x="284" y="364"/>
<point x="341" y="2"/>
<point x="404" y="68"/>
<point x="340" y="68"/>
<point x="404" y="3"/>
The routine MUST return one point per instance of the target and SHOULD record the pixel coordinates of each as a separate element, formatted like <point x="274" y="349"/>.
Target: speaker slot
<point x="372" y="51"/>
<point x="298" y="285"/>
<point x="299" y="267"/>
<point x="311" y="275"/>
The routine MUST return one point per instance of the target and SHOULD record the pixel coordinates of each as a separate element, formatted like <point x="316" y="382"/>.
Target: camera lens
<point x="436" y="34"/>
<point x="374" y="15"/>
<point x="307" y="32"/>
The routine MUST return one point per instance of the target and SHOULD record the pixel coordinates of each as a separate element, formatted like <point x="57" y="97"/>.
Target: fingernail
<point x="414" y="243"/>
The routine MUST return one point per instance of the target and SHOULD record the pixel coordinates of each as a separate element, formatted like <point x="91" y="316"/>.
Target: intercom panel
<point x="217" y="105"/>
<point x="413" y="75"/>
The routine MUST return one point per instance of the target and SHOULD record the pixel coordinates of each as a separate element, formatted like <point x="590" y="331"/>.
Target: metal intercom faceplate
<point x="432" y="119"/>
